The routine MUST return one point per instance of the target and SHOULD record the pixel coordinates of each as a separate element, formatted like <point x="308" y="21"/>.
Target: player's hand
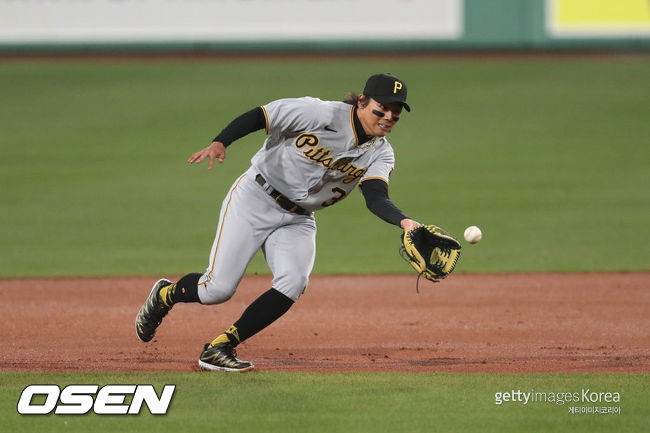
<point x="408" y="224"/>
<point x="216" y="150"/>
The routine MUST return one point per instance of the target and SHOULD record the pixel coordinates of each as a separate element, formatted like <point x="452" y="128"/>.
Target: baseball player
<point x="314" y="155"/>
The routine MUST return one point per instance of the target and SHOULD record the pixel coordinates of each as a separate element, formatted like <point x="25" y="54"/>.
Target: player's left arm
<point x="375" y="191"/>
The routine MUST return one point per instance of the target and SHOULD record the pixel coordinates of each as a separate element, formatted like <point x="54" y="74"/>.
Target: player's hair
<point x="352" y="99"/>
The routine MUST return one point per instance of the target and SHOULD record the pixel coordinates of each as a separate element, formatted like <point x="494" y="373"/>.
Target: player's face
<point x="378" y="119"/>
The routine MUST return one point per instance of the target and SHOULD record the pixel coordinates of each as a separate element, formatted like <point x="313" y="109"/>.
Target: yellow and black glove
<point x="431" y="251"/>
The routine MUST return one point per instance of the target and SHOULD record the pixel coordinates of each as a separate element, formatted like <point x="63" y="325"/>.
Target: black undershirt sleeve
<point x="250" y="121"/>
<point x="375" y="191"/>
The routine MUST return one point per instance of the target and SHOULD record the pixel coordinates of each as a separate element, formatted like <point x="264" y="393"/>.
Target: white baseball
<point x="473" y="234"/>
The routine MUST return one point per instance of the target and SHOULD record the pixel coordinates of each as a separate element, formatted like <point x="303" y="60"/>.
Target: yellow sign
<point x="598" y="17"/>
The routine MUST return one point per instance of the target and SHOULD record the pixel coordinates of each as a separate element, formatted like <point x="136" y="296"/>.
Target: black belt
<point x="280" y="199"/>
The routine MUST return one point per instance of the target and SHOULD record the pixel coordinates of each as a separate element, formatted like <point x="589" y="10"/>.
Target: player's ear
<point x="362" y="101"/>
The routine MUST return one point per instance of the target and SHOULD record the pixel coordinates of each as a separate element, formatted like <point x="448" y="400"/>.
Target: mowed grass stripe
<point x="549" y="158"/>
<point x="359" y="402"/>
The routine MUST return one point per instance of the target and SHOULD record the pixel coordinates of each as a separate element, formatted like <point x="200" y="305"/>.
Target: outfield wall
<point x="253" y="25"/>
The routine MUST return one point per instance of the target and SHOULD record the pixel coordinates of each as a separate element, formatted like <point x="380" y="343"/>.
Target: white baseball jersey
<point x="312" y="154"/>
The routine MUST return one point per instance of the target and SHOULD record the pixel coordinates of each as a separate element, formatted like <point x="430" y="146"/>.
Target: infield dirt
<point x="513" y="323"/>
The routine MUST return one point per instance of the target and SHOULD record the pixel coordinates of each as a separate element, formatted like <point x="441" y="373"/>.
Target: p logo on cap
<point x="387" y="89"/>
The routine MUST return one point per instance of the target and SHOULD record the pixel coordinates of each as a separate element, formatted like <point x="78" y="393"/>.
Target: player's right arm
<point x="292" y="115"/>
<point x="248" y="122"/>
<point x="216" y="150"/>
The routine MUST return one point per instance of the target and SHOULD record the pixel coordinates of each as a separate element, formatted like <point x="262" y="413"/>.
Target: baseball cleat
<point x="152" y="312"/>
<point x="222" y="357"/>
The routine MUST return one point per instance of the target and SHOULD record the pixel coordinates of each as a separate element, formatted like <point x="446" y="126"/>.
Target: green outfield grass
<point x="549" y="158"/>
<point x="355" y="402"/>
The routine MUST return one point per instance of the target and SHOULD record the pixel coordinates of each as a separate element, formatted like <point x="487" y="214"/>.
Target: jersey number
<point x="340" y="194"/>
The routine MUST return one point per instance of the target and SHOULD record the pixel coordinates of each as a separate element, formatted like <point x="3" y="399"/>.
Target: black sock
<point x="261" y="313"/>
<point x="185" y="290"/>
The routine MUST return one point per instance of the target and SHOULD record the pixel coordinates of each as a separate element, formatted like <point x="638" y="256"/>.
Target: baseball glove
<point x="431" y="251"/>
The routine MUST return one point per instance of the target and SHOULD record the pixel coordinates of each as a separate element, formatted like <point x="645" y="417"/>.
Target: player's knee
<point x="215" y="292"/>
<point x="292" y="287"/>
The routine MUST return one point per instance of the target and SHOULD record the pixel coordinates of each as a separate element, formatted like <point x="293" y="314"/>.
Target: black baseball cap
<point x="386" y="89"/>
